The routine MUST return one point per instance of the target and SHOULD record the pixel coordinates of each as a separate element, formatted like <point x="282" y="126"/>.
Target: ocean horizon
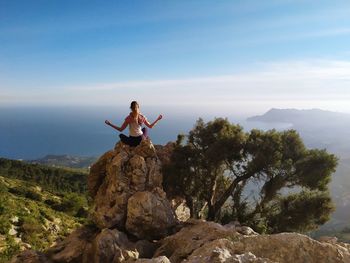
<point x="32" y="132"/>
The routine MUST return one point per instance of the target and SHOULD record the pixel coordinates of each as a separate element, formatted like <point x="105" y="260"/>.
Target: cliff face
<point x="132" y="221"/>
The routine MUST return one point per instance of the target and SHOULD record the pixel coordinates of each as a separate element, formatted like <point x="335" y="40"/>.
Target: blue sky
<point x="224" y="55"/>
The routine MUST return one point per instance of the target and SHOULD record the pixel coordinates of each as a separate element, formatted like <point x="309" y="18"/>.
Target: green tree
<point x="218" y="163"/>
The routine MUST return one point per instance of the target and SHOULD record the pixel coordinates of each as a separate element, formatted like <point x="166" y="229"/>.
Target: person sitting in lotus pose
<point x="135" y="120"/>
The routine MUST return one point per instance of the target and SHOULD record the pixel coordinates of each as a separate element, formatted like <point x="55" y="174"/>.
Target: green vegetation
<point x="38" y="205"/>
<point x="267" y="180"/>
<point x="54" y="179"/>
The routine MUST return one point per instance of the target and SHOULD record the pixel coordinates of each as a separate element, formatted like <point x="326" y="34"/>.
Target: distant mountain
<point x="296" y="116"/>
<point x="318" y="128"/>
<point x="65" y="161"/>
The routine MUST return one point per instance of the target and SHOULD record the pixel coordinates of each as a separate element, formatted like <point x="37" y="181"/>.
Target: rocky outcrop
<point x="75" y="248"/>
<point x="180" y="208"/>
<point x="293" y="247"/>
<point x="130" y="177"/>
<point x="201" y="241"/>
<point x="133" y="221"/>
<point x="149" y="215"/>
<point x="223" y="250"/>
<point x="192" y="236"/>
<point x="129" y="208"/>
<point x="30" y="256"/>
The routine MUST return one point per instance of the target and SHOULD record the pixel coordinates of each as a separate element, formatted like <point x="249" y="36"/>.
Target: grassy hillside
<point x="54" y="179"/>
<point x="38" y="205"/>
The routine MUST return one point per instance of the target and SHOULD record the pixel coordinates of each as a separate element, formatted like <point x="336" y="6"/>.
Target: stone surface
<point x="112" y="246"/>
<point x="195" y="234"/>
<point x="292" y="248"/>
<point x="74" y="248"/>
<point x="150" y="215"/>
<point x="118" y="175"/>
<point x="210" y="242"/>
<point x="161" y="259"/>
<point x="180" y="208"/>
<point x="222" y="250"/>
<point x="146" y="248"/>
<point x="30" y="256"/>
<point x="98" y="173"/>
<point x="93" y="245"/>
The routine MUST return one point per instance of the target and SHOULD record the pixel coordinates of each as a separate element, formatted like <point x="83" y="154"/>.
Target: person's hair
<point x="133" y="104"/>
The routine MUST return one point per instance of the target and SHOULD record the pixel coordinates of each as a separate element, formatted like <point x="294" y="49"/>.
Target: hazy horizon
<point x="33" y="132"/>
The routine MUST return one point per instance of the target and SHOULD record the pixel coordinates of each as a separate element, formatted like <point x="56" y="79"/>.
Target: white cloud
<point x="313" y="82"/>
<point x="318" y="79"/>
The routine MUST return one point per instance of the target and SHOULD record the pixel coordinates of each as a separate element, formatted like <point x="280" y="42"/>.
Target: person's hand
<point x="160" y="117"/>
<point x="107" y="122"/>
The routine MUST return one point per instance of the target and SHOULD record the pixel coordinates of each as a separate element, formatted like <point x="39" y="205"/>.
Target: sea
<point x="28" y="132"/>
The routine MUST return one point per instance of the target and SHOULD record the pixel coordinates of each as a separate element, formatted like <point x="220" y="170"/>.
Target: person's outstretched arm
<point x="149" y="125"/>
<point x="125" y="124"/>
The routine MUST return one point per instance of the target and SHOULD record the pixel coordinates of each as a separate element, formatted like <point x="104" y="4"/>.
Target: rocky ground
<point x="133" y="221"/>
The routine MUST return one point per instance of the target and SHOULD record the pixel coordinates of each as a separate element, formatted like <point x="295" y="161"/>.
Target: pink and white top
<point x="135" y="127"/>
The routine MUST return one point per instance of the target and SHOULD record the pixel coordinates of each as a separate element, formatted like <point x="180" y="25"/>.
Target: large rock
<point x="180" y="208"/>
<point x="194" y="235"/>
<point x="223" y="250"/>
<point x="293" y="248"/>
<point x="89" y="244"/>
<point x="112" y="246"/>
<point x="30" y="256"/>
<point x="211" y="242"/>
<point x="117" y="176"/>
<point x="150" y="215"/>
<point x="76" y="247"/>
<point x="98" y="173"/>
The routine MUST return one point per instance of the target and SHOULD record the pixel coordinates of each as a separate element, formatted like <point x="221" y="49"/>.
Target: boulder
<point x="111" y="245"/>
<point x="117" y="176"/>
<point x="75" y="247"/>
<point x="150" y="215"/>
<point x="210" y="242"/>
<point x="180" y="208"/>
<point x="292" y="248"/>
<point x="192" y="236"/>
<point x="30" y="256"/>
<point x="98" y="173"/>
<point x="89" y="244"/>
<point x="223" y="250"/>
